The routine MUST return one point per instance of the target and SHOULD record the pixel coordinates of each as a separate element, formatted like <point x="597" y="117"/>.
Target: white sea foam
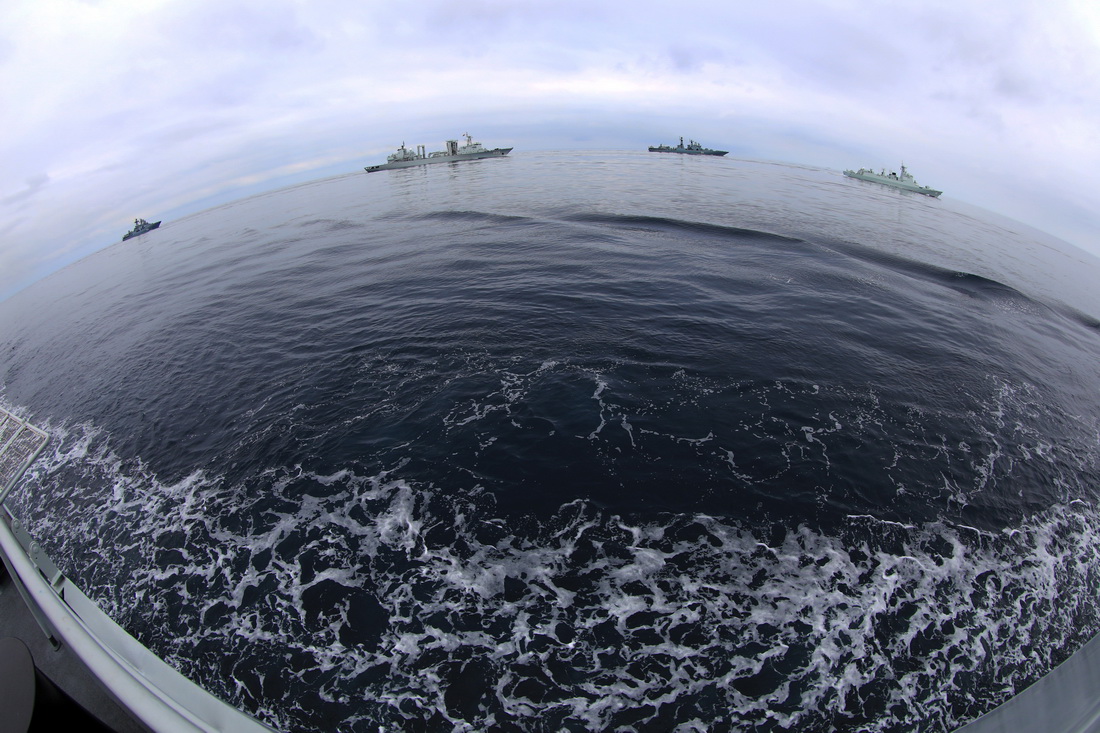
<point x="577" y="621"/>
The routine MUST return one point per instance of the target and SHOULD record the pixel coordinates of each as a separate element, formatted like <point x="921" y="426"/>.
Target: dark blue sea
<point x="577" y="441"/>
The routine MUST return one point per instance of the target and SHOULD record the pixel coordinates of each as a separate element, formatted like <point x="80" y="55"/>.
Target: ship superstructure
<point x="406" y="158"/>
<point x="692" y="148"/>
<point x="140" y="227"/>
<point x="905" y="181"/>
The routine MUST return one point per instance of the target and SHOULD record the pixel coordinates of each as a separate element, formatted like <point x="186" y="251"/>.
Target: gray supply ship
<point x="140" y="227"/>
<point x="905" y="181"/>
<point x="692" y="148"/>
<point x="405" y="158"/>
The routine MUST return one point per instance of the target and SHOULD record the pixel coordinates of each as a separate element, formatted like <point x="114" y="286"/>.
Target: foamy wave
<point x="350" y="601"/>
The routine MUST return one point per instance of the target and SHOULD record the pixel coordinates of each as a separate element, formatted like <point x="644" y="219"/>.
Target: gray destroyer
<point x="692" y="148"/>
<point x="905" y="181"/>
<point x="405" y="158"/>
<point x="140" y="227"/>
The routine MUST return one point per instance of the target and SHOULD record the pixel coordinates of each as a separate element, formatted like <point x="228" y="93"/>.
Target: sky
<point x="117" y="109"/>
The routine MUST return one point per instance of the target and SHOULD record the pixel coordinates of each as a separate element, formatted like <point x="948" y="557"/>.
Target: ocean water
<point x="577" y="441"/>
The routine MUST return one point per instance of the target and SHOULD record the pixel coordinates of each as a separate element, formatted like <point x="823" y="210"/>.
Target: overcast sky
<point x="114" y="109"/>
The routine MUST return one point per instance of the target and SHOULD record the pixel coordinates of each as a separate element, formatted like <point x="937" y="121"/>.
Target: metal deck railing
<point x="20" y="444"/>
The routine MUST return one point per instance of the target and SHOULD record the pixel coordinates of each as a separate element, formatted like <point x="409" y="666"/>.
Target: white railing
<point x="20" y="444"/>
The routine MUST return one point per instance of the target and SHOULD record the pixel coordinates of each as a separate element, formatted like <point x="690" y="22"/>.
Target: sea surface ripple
<point x="577" y="441"/>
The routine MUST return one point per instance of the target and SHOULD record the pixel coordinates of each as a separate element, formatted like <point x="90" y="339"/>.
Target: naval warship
<point x="905" y="181"/>
<point x="692" y="148"/>
<point x="140" y="227"/>
<point x="405" y="158"/>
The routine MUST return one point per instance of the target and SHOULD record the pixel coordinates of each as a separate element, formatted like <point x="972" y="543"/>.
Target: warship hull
<point x="431" y="159"/>
<point x="139" y="232"/>
<point x="904" y="185"/>
<point x="685" y="151"/>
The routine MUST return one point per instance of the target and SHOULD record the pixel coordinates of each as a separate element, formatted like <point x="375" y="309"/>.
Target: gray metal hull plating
<point x="495" y="153"/>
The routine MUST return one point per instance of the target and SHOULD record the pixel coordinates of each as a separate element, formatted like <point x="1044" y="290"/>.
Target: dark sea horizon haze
<point x="577" y="441"/>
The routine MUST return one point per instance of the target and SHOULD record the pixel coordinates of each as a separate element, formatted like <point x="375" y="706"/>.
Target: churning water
<point x="568" y="441"/>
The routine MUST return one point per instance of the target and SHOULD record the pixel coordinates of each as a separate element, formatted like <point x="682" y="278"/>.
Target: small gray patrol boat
<point x="905" y="181"/>
<point x="405" y="158"/>
<point x="692" y="148"/>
